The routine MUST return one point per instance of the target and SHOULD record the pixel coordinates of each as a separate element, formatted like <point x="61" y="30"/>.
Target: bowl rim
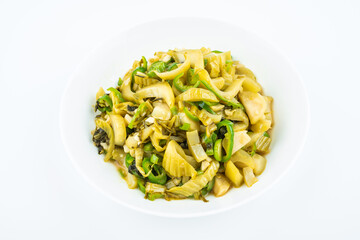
<point x="296" y="155"/>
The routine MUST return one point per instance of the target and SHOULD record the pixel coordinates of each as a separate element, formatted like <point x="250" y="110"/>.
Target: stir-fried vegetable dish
<point x="185" y="124"/>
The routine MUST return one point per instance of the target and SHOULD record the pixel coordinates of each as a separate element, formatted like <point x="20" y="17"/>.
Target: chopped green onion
<point x="142" y="107"/>
<point x="158" y="173"/>
<point x="209" y="186"/>
<point x="227" y="102"/>
<point x="172" y="60"/>
<point x="217" y="51"/>
<point x="185" y="127"/>
<point x="172" y="66"/>
<point x="230" y="135"/>
<point x="205" y="62"/>
<point x="121" y="171"/>
<point x="129" y="131"/>
<point x="190" y="115"/>
<point x="158" y="66"/>
<point x="218" y="150"/>
<point x="211" y="103"/>
<point x="154" y="159"/>
<point x="253" y="150"/>
<point x="129" y="160"/>
<point x="144" y="62"/>
<point x="208" y="142"/>
<point x="162" y="142"/>
<point x="228" y="64"/>
<point x="206" y="107"/>
<point x="141" y="184"/>
<point x="117" y="94"/>
<point x="153" y="196"/>
<point x="104" y="104"/>
<point x="179" y="85"/>
<point x="120" y="82"/>
<point x="138" y="69"/>
<point x="148" y="147"/>
<point x="192" y="77"/>
<point x="199" y="172"/>
<point x="266" y="134"/>
<point x="174" y="110"/>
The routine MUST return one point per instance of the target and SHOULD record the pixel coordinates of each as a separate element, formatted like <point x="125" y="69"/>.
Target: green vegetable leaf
<point x="120" y="82"/>
<point x="158" y="66"/>
<point x="185" y="127"/>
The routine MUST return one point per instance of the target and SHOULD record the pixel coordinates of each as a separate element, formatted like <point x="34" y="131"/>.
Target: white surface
<point x="43" y="197"/>
<point x="113" y="58"/>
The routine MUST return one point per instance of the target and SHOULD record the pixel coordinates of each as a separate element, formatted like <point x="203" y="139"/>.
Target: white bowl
<point x="112" y="59"/>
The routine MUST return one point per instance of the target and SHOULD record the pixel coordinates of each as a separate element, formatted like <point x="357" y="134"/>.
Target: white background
<point x="43" y="197"/>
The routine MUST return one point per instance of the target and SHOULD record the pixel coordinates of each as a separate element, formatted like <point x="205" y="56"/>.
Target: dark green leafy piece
<point x="158" y="66"/>
<point x="120" y="82"/>
<point x="142" y="107"/>
<point x="208" y="143"/>
<point x="138" y="69"/>
<point x="154" y="159"/>
<point x="205" y="62"/>
<point x="117" y="94"/>
<point x="185" y="127"/>
<point x="253" y="151"/>
<point x="141" y="184"/>
<point x="228" y="64"/>
<point x="227" y="102"/>
<point x="129" y="160"/>
<point x="104" y="104"/>
<point x="158" y="173"/>
<point x="172" y="66"/>
<point x="148" y="147"/>
<point x="229" y="134"/>
<point x="153" y="196"/>
<point x="179" y="85"/>
<point x="174" y="110"/>
<point x="203" y="105"/>
<point x="190" y="115"/>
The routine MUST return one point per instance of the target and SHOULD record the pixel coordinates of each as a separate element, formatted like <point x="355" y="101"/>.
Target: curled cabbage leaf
<point x="161" y="111"/>
<point x="139" y="153"/>
<point x="237" y="115"/>
<point x="175" y="161"/>
<point x="242" y="159"/>
<point x="230" y="92"/>
<point x="194" y="125"/>
<point x="156" y="137"/>
<point x="109" y="131"/>
<point x="218" y="82"/>
<point x="196" y="95"/>
<point x="122" y="108"/>
<point x="126" y="91"/>
<point x="233" y="173"/>
<point x="195" y="56"/>
<point x="254" y="104"/>
<point x="119" y="128"/>
<point x="159" y="90"/>
<point x="196" y="184"/>
<point x="172" y="74"/>
<point x="213" y="65"/>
